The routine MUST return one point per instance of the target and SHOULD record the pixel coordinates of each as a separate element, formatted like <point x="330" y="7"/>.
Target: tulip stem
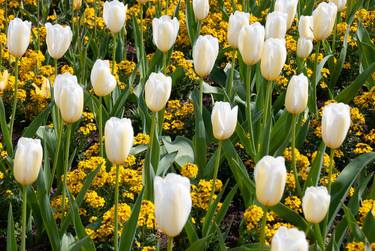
<point x="147" y="166"/>
<point x="141" y="59"/>
<point x="56" y="70"/>
<point x="201" y="96"/>
<point x="216" y="170"/>
<point x="66" y="163"/>
<point x="57" y="151"/>
<point x="166" y="7"/>
<point x="294" y="155"/>
<point x="335" y="33"/>
<point x="263" y="227"/>
<point x="315" y="78"/>
<point x="231" y="74"/>
<point x="14" y="106"/>
<point x="248" y="107"/>
<point x="114" y="52"/>
<point x="152" y="136"/>
<point x="331" y="161"/>
<point x="100" y="122"/>
<point x="24" y="209"/>
<point x="170" y="243"/>
<point x="165" y="55"/>
<point x="318" y="236"/>
<point x="116" y="206"/>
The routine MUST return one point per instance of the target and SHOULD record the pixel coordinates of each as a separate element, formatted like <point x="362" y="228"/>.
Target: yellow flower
<point x="4" y="77"/>
<point x="189" y="170"/>
<point x="252" y="216"/>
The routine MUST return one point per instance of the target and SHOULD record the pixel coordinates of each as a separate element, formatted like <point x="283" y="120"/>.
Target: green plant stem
<point x="231" y="74"/>
<point x="266" y="115"/>
<point x="143" y="63"/>
<point x="114" y="53"/>
<point x="152" y="135"/>
<point x="318" y="236"/>
<point x="56" y="70"/>
<point x="201" y="96"/>
<point x="262" y="236"/>
<point x="100" y="122"/>
<point x="248" y="107"/>
<point x="116" y="206"/>
<point x="315" y="77"/>
<point x="170" y="244"/>
<point x="24" y="208"/>
<point x="165" y="55"/>
<point x="166" y="7"/>
<point x="66" y="163"/>
<point x="199" y="27"/>
<point x="147" y="166"/>
<point x="57" y="151"/>
<point x="335" y="33"/>
<point x="216" y="170"/>
<point x="299" y="191"/>
<point x="331" y="161"/>
<point x="15" y="99"/>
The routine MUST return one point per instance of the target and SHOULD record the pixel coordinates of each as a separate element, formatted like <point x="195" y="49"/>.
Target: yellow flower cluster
<point x="302" y="163"/>
<point x="361" y="148"/>
<point x="89" y="125"/>
<point x="366" y="99"/>
<point x="200" y="193"/>
<point x="252" y="216"/>
<point x="175" y="115"/>
<point x="141" y="139"/>
<point x="294" y="203"/>
<point x="93" y="199"/>
<point x="146" y="215"/>
<point x="189" y="170"/>
<point x="365" y="208"/>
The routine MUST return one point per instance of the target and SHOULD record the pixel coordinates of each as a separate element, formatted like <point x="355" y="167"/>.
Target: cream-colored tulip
<point x="339" y="3"/>
<point x="114" y="15"/>
<point x="118" y="136"/>
<point x="270" y="179"/>
<point x="289" y="7"/>
<point x="18" y="36"/>
<point x="44" y="90"/>
<point x="289" y="239"/>
<point x="324" y="18"/>
<point x="172" y="203"/>
<point x="58" y="39"/>
<point x="236" y="22"/>
<point x="315" y="204"/>
<point x="305" y="27"/>
<point x="335" y="124"/>
<point x="250" y="43"/>
<point x="297" y="94"/>
<point x="276" y="25"/>
<point x="201" y="9"/>
<point x="224" y="120"/>
<point x="164" y="32"/>
<point x="273" y="58"/>
<point x="205" y="52"/>
<point x="4" y="78"/>
<point x="158" y="89"/>
<point x="304" y="47"/>
<point x="102" y="79"/>
<point x="27" y="160"/>
<point x="76" y="4"/>
<point x="62" y="80"/>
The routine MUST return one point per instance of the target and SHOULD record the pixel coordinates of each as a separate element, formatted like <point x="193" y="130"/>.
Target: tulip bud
<point x="289" y="7"/>
<point x="335" y="124"/>
<point x="118" y="136"/>
<point x="324" y="18"/>
<point x="27" y="160"/>
<point x="305" y="27"/>
<point x="102" y="80"/>
<point x="76" y="4"/>
<point x="164" y="32"/>
<point x="250" y="43"/>
<point x="157" y="91"/>
<point x="172" y="203"/>
<point x="276" y="25"/>
<point x="4" y="77"/>
<point x="315" y="204"/>
<point x="273" y="58"/>
<point x="289" y="239"/>
<point x="297" y="94"/>
<point x="60" y="81"/>
<point x="45" y="89"/>
<point x="304" y="47"/>
<point x="114" y="15"/>
<point x="18" y="37"/>
<point x="201" y="9"/>
<point x="205" y="52"/>
<point x="224" y="120"/>
<point x="58" y="39"/>
<point x="270" y="179"/>
<point x="339" y="3"/>
<point x="236" y="22"/>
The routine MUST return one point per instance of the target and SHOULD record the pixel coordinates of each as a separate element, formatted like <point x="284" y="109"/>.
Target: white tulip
<point x="157" y="91"/>
<point x="18" y="36"/>
<point x="236" y="22"/>
<point x="250" y="43"/>
<point x="289" y="7"/>
<point x="270" y="179"/>
<point x="297" y="94"/>
<point x="339" y="3"/>
<point x="273" y="58"/>
<point x="164" y="32"/>
<point x="305" y="27"/>
<point x="201" y="9"/>
<point x="205" y="52"/>
<point x="102" y="79"/>
<point x="114" y="15"/>
<point x="60" y="81"/>
<point x="71" y="102"/>
<point x="315" y="204"/>
<point x="224" y="120"/>
<point x="289" y="239"/>
<point x="27" y="160"/>
<point x="304" y="47"/>
<point x="58" y="39"/>
<point x="276" y="25"/>
<point x="335" y="124"/>
<point x="118" y="137"/>
<point x="172" y="203"/>
<point x="324" y="18"/>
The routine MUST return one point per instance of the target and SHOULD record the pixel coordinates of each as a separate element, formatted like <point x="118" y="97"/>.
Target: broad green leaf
<point x="199" y="245"/>
<point x="369" y="227"/>
<point x="11" y="238"/>
<point x="39" y="120"/>
<point x="199" y="139"/>
<point x="184" y="148"/>
<point x="316" y="166"/>
<point x="4" y="128"/>
<point x="190" y="231"/>
<point x="289" y="215"/>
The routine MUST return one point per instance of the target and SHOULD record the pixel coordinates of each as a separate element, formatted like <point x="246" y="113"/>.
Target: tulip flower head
<point x="289" y="7"/>
<point x="58" y="39"/>
<point x="18" y="36"/>
<point x="164" y="32"/>
<point x="114" y="15"/>
<point x="273" y="58"/>
<point x="224" y="120"/>
<point x="276" y="25"/>
<point x="102" y="79"/>
<point x="157" y="91"/>
<point x="289" y="239"/>
<point x="297" y="94"/>
<point x="236" y="22"/>
<point x="251" y="42"/>
<point x="315" y="204"/>
<point x="324" y="18"/>
<point x="305" y="27"/>
<point x="205" y="52"/>
<point x="201" y="9"/>
<point x="304" y="47"/>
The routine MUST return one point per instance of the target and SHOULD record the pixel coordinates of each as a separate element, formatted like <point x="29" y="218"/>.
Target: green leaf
<point x="369" y="227"/>
<point x="39" y="120"/>
<point x="289" y="215"/>
<point x="316" y="166"/>
<point x="225" y="205"/>
<point x="184" y="148"/>
<point x="251" y="247"/>
<point x="353" y="226"/>
<point x="199" y="139"/>
<point x="4" y="128"/>
<point x="11" y="238"/>
<point x="199" y="245"/>
<point x="190" y="231"/>
<point x="191" y="24"/>
<point x="281" y="132"/>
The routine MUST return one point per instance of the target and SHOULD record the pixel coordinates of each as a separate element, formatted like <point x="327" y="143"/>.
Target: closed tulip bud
<point x="164" y="32"/>
<point x="270" y="179"/>
<point x="157" y="91"/>
<point x="102" y="80"/>
<point x="118" y="136"/>
<point x="58" y="39"/>
<point x="76" y="4"/>
<point x="273" y="58"/>
<point x="297" y="94"/>
<point x="18" y="36"/>
<point x="335" y="124"/>
<point x="224" y="120"/>
<point x="236" y="22"/>
<point x="201" y="9"/>
<point x="305" y="27"/>
<point x="289" y="239"/>
<point x="60" y="81"/>
<point x="339" y="3"/>
<point x="27" y="160"/>
<point x="315" y="204"/>
<point x="289" y="7"/>
<point x="114" y="15"/>
<point x="4" y="77"/>
<point x="324" y="18"/>
<point x="250" y="43"/>
<point x="304" y="47"/>
<point x="276" y="25"/>
<point x="205" y="52"/>
<point x="172" y="203"/>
